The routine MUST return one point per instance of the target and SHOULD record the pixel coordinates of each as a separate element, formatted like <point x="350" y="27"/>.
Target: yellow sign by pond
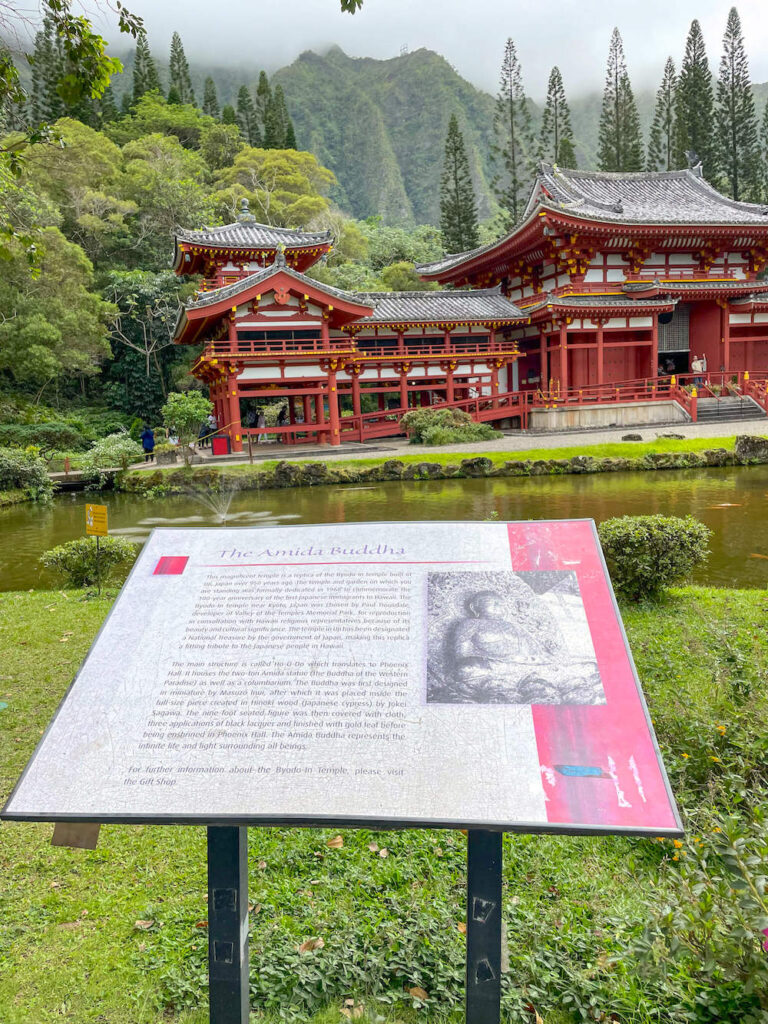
<point x="96" y="520"/>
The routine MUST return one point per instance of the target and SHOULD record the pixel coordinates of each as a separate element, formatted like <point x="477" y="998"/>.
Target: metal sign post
<point x="483" y="993"/>
<point x="228" y="925"/>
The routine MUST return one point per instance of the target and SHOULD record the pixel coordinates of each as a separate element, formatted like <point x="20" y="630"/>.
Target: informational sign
<point x="469" y="675"/>
<point x="96" y="520"/>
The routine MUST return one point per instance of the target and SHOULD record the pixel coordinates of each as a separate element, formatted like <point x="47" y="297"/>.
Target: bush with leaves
<point x="183" y="413"/>
<point x="116" y="451"/>
<point x="82" y="564"/>
<point x="47" y="437"/>
<point x="444" y="426"/>
<point x="22" y="470"/>
<point x="647" y="554"/>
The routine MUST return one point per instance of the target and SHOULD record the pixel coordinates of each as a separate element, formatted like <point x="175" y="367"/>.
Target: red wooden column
<point x="325" y="334"/>
<point x="725" y="334"/>
<point x="232" y="330"/>
<point x="354" y="372"/>
<point x="450" y="393"/>
<point x="654" y="344"/>
<point x="235" y="426"/>
<point x="492" y="339"/>
<point x="400" y="343"/>
<point x="563" y="357"/>
<point x="320" y="416"/>
<point x="403" y="370"/>
<point x="495" y="384"/>
<point x="307" y="403"/>
<point x="543" y="369"/>
<point x="600" y="352"/>
<point x="333" y="408"/>
<point x="447" y="340"/>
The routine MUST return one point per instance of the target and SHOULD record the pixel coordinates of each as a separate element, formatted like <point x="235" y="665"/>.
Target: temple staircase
<point x="728" y="409"/>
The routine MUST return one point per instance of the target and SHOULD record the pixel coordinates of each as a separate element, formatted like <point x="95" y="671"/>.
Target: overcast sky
<point x="470" y="33"/>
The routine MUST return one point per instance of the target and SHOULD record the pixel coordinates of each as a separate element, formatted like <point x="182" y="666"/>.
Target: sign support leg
<point x="228" y="924"/>
<point x="484" y="856"/>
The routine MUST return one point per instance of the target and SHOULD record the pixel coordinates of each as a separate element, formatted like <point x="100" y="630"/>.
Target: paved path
<point x="392" y="448"/>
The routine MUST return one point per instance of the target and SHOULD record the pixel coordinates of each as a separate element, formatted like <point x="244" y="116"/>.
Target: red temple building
<point x="608" y="282"/>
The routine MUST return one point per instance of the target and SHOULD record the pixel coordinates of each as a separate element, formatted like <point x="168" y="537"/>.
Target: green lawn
<point x="70" y="949"/>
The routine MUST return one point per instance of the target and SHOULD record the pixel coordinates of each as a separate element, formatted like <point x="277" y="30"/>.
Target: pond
<point x="732" y="501"/>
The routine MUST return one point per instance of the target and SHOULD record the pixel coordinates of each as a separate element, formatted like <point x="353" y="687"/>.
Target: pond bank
<point x="747" y="450"/>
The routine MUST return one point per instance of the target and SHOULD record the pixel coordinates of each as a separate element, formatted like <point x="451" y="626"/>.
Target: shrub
<point x="76" y="560"/>
<point x="444" y="426"/>
<point x="47" y="437"/>
<point x="646" y="554"/>
<point x="116" y="450"/>
<point x="25" y="471"/>
<point x="183" y="413"/>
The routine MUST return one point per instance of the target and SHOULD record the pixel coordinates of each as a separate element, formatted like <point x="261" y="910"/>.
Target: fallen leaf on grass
<point x="335" y="844"/>
<point x="309" y="944"/>
<point x="55" y="885"/>
<point x="143" y="926"/>
<point x="262" y="865"/>
<point x="417" y="993"/>
<point x="373" y="847"/>
<point x="462" y="927"/>
<point x="384" y="852"/>
<point x="254" y="908"/>
<point x="201" y="924"/>
<point x="70" y="926"/>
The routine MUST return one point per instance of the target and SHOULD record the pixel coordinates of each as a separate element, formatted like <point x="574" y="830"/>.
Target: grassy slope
<point x="69" y="950"/>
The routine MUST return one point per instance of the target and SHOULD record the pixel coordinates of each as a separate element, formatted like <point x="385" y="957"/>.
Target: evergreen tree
<point x="556" y="142"/>
<point x="694" y="101"/>
<point x="174" y="97"/>
<point x="246" y="117"/>
<point x="662" y="141"/>
<point x="210" y="99"/>
<point x="274" y="128"/>
<point x="263" y="97"/>
<point x="764" y="151"/>
<point x="290" y="136"/>
<point x="145" y="76"/>
<point x="737" y="139"/>
<point x="286" y="132"/>
<point x="107" y="108"/>
<point x="621" y="142"/>
<point x="47" y="69"/>
<point x="513" y="149"/>
<point x="458" y="210"/>
<point x="179" y="73"/>
<point x="228" y="114"/>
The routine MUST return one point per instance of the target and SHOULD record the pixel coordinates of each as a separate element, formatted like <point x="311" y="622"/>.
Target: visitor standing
<point x="696" y="370"/>
<point x="147" y="439"/>
<point x="261" y="422"/>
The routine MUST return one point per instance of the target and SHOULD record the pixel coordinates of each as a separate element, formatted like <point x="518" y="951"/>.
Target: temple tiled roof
<point x="653" y="197"/>
<point x="441" y="307"/>
<point x="231" y="291"/>
<point x="250" y="235"/>
<point x="592" y="301"/>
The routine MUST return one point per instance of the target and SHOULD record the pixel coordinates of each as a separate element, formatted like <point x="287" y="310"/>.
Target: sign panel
<point x="96" y="520"/>
<point x="381" y="674"/>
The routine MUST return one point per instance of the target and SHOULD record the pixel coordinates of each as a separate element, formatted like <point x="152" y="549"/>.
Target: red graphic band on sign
<point x="171" y="565"/>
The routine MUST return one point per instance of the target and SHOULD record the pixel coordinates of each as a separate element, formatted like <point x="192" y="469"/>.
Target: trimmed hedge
<point x="77" y="561"/>
<point x="444" y="426"/>
<point x="647" y="554"/>
<point x="20" y="470"/>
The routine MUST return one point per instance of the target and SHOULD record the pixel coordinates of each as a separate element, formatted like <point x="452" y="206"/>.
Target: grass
<point x="624" y="449"/>
<point x="70" y="949"/>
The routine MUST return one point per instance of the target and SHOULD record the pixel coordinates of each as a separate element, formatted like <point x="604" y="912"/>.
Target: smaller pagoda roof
<point x="612" y="302"/>
<point x="247" y="235"/>
<point x="439" y="307"/>
<point x="244" y="284"/>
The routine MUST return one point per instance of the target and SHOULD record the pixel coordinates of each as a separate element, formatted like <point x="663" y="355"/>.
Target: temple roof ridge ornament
<point x="244" y="215"/>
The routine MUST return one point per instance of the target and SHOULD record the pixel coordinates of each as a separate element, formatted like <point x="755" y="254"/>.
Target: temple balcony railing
<point x="364" y="347"/>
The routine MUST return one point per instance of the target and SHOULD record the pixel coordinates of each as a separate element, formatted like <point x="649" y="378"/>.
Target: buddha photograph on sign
<point x="509" y="638"/>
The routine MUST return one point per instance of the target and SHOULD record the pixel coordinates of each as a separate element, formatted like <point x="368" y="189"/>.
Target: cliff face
<point x="380" y="125"/>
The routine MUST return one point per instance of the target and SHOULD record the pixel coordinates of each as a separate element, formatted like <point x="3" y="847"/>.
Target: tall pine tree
<point x="47" y="69"/>
<point x="228" y="114"/>
<point x="287" y="134"/>
<point x="695" y="114"/>
<point x="180" y="81"/>
<point x="621" y="142"/>
<point x="145" y="76"/>
<point x="458" y="209"/>
<point x="513" y="148"/>
<point x="210" y="99"/>
<point x="737" y="138"/>
<point x="263" y="97"/>
<point x="662" y="140"/>
<point x="764" y="152"/>
<point x="246" y="117"/>
<point x="556" y="141"/>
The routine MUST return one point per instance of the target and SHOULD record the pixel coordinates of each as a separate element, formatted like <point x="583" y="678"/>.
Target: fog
<point x="469" y="33"/>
